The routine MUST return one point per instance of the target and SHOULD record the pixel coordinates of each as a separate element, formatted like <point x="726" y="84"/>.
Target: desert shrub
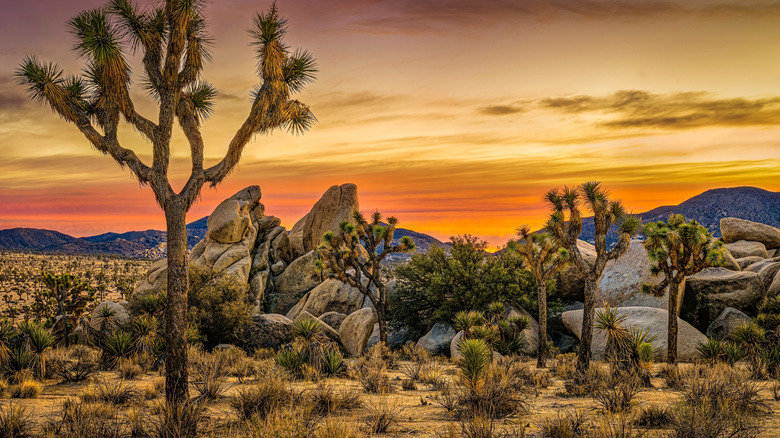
<point x="15" y="422"/>
<point x="25" y="388"/>
<point x="7" y="334"/>
<point x="19" y="362"/>
<point x="564" y="366"/>
<point x="39" y="340"/>
<point x="433" y="373"/>
<point x="565" y="425"/>
<point x="710" y="421"/>
<point x="74" y="364"/>
<point x="178" y="420"/>
<point x="83" y="419"/>
<point x="338" y="429"/>
<point x="291" y="359"/>
<point x="412" y="351"/>
<point x="149" y="303"/>
<point x="117" y="345"/>
<point x="208" y="372"/>
<point x="497" y="396"/>
<point x="481" y="427"/>
<point x="326" y="399"/>
<point x="616" y="426"/>
<point x="618" y="394"/>
<point x="475" y="356"/>
<point x="434" y="286"/>
<point x="129" y="369"/>
<point x="596" y="378"/>
<point x="776" y="391"/>
<point x="218" y="307"/>
<point x="381" y="415"/>
<point x="296" y="422"/>
<point x="371" y="371"/>
<point x="144" y="329"/>
<point x="114" y="392"/>
<point x="653" y="416"/>
<point x="269" y="393"/>
<point x="332" y="362"/>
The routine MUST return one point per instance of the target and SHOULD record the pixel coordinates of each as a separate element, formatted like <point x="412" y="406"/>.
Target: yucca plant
<point x="465" y="321"/>
<point x="332" y="361"/>
<point x="20" y="362"/>
<point x="732" y="352"/>
<point x="750" y="337"/>
<point x="107" y="317"/>
<point x="306" y="328"/>
<point x="7" y="333"/>
<point x="610" y="321"/>
<point x="712" y="351"/>
<point x="151" y="303"/>
<point x="117" y="345"/>
<point x="639" y="348"/>
<point x="145" y="333"/>
<point x="290" y="359"/>
<point x="39" y="340"/>
<point x="495" y="311"/>
<point x="475" y="356"/>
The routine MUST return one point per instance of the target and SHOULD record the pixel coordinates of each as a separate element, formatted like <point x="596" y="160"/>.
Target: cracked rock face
<point x="335" y="205"/>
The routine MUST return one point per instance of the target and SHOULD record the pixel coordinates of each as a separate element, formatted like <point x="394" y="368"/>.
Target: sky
<point x="454" y="116"/>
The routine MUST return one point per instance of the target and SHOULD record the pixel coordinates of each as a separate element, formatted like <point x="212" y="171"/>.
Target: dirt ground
<point x="421" y="415"/>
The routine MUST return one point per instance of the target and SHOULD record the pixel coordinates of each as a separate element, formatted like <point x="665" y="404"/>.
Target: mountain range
<point x="708" y="208"/>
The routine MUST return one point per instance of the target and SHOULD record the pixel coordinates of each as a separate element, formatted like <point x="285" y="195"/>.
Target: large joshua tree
<point x="355" y="253"/>
<point x="678" y="249"/>
<point x="172" y="38"/>
<point x="72" y="296"/>
<point x="565" y="225"/>
<point x="543" y="257"/>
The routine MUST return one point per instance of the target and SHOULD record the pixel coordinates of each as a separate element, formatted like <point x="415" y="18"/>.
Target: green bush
<point x="434" y="286"/>
<point x="218" y="307"/>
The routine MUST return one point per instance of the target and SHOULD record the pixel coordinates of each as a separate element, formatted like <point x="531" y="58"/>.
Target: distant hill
<point x="708" y="208"/>
<point x="423" y="242"/>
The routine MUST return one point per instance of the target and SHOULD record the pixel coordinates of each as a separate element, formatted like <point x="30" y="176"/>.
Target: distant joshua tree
<point x="172" y="37"/>
<point x="678" y="249"/>
<point x="565" y="230"/>
<point x="354" y="255"/>
<point x="543" y="257"/>
<point x="71" y="294"/>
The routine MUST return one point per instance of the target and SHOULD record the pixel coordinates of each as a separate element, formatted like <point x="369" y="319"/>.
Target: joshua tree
<point x="175" y="46"/>
<point x="606" y="213"/>
<point x="543" y="257"/>
<point x="678" y="249"/>
<point x="354" y="256"/>
<point x="72" y="295"/>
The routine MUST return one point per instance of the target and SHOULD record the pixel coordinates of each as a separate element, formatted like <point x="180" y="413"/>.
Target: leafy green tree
<point x="434" y="286"/>
<point x="354" y="255"/>
<point x="71" y="295"/>
<point x="218" y="306"/>
<point x="678" y="249"/>
<point x="174" y="46"/>
<point x="543" y="257"/>
<point x="565" y="226"/>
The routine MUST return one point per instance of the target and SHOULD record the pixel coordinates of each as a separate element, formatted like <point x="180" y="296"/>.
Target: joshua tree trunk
<point x="674" y="308"/>
<point x="176" y="382"/>
<point x="541" y="289"/>
<point x="380" y="314"/>
<point x="588" y="314"/>
<point x="65" y="329"/>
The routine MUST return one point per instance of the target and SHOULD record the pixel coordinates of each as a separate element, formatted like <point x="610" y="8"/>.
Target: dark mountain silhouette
<point x="708" y="208"/>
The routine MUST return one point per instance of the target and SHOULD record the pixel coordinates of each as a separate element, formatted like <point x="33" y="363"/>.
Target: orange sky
<point x="454" y="118"/>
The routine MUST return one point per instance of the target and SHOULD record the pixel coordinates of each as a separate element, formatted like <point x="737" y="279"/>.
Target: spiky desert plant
<point x="174" y="45"/>
<point x="116" y="346"/>
<point x="565" y="226"/>
<point x="610" y="321"/>
<point x="543" y="257"/>
<point x="475" y="356"/>
<point x="145" y="333"/>
<point x="71" y="294"/>
<point x="7" y="333"/>
<point x="678" y="249"/>
<point x="354" y="255"/>
<point x="467" y="321"/>
<point x="39" y="340"/>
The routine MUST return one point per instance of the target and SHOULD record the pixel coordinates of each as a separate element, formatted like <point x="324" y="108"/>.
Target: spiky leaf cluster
<point x="543" y="255"/>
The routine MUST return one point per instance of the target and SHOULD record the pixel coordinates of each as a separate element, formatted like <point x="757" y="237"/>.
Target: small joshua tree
<point x="354" y="255"/>
<point x="174" y="43"/>
<point x="678" y="249"/>
<point x="565" y="230"/>
<point x="543" y="257"/>
<point x="71" y="294"/>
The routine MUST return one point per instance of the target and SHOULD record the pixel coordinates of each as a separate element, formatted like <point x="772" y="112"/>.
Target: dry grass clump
<point x="433" y="374"/>
<point x="565" y="425"/>
<point x="74" y="364"/>
<point x="371" y="371"/>
<point x="178" y="421"/>
<point x="26" y="387"/>
<point x="480" y="427"/>
<point x="618" y="394"/>
<point x="775" y="390"/>
<point x="616" y="426"/>
<point x="718" y="401"/>
<point x="129" y="369"/>
<point x="653" y="417"/>
<point x="115" y="392"/>
<point x="338" y="429"/>
<point x="14" y="422"/>
<point x="86" y="419"/>
<point x="596" y="377"/>
<point x="326" y="399"/>
<point x="268" y="394"/>
<point x="289" y="422"/>
<point x="415" y="353"/>
<point x="381" y="415"/>
<point x="564" y="366"/>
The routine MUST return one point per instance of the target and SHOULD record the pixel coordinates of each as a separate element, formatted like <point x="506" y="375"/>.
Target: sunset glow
<point x="455" y="118"/>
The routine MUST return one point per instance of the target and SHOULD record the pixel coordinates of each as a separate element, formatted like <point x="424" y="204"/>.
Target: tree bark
<point x="586" y="339"/>
<point x="380" y="315"/>
<point x="671" y="340"/>
<point x="541" y="359"/>
<point x="176" y="380"/>
<point x="64" y="323"/>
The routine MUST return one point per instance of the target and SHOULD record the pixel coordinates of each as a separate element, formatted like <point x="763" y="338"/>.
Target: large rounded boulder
<point x="621" y="282"/>
<point x="300" y="277"/>
<point x="329" y="296"/>
<point x="726" y="323"/>
<point x="356" y="329"/>
<point x="268" y="330"/>
<point x="438" y="339"/>
<point x="336" y="205"/>
<point x="734" y="229"/>
<point x="570" y="282"/>
<point x="653" y="320"/>
<point x="710" y="291"/>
